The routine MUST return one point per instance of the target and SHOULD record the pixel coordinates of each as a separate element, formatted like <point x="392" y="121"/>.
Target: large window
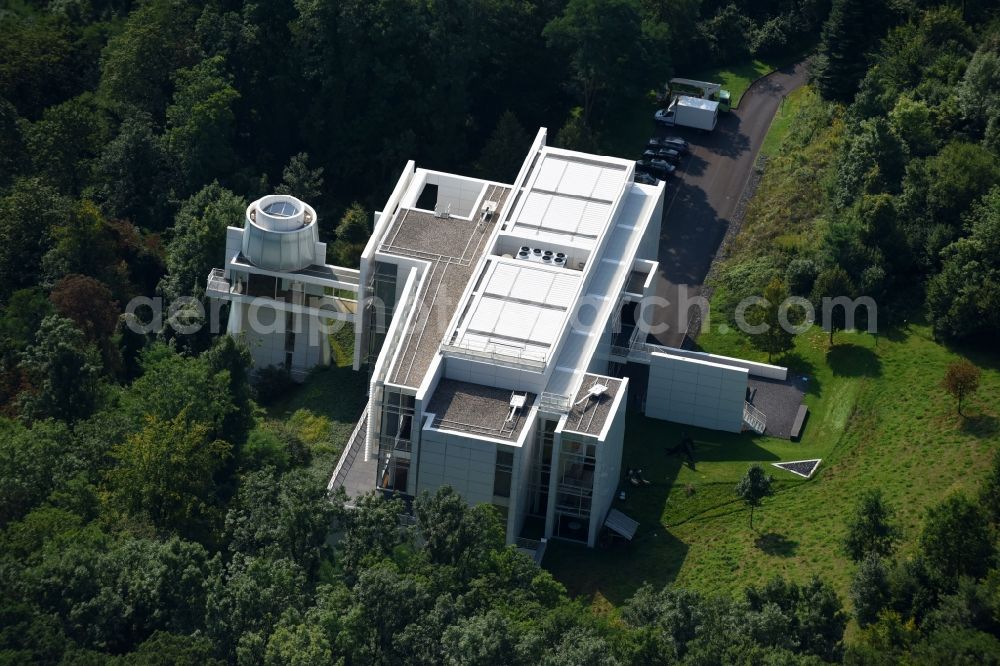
<point x="396" y="427"/>
<point x="540" y="469"/>
<point x="382" y="289"/>
<point x="576" y="478"/>
<point x="502" y="475"/>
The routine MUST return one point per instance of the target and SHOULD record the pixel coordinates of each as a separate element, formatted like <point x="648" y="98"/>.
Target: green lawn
<point x="736" y="78"/>
<point x="878" y="419"/>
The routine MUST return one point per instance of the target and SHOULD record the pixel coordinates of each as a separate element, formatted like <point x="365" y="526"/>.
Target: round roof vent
<point x="281" y="209"/>
<point x="280" y="234"/>
<point x="279" y="212"/>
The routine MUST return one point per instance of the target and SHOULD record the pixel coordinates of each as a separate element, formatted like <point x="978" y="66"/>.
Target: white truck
<point x="687" y="111"/>
<point x="702" y="89"/>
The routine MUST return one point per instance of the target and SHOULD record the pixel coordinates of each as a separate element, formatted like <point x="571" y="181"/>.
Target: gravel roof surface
<point x="461" y="243"/>
<point x="779" y="401"/>
<point x="477" y="409"/>
<point x="589" y="415"/>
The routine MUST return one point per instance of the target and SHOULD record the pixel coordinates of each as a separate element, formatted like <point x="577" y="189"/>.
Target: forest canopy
<point x="152" y="512"/>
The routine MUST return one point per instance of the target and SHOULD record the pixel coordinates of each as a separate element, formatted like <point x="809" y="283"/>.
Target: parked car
<point x="672" y="142"/>
<point x="668" y="154"/>
<point x="661" y="154"/>
<point x="656" y="167"/>
<point x="645" y="178"/>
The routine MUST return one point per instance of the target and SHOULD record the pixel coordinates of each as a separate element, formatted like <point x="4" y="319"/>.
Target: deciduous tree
<point x="198" y="239"/>
<point x="133" y="175"/>
<point x="961" y="380"/>
<point x="138" y="62"/>
<point x="753" y="488"/>
<point x="869" y="591"/>
<point x="63" y="371"/>
<point x="964" y="298"/>
<point x="165" y="473"/>
<point x="201" y="123"/>
<point x="956" y="539"/>
<point x="871" y="528"/>
<point x="503" y="154"/>
<point x="352" y="235"/>
<point x="88" y="303"/>
<point x="775" y="339"/>
<point x="832" y="283"/>
<point x="610" y="47"/>
<point x="29" y="212"/>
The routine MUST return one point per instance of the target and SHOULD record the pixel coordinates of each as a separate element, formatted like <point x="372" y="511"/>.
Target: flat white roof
<point x="697" y="103"/>
<point x="519" y="308"/>
<point x="609" y="276"/>
<point x="570" y="198"/>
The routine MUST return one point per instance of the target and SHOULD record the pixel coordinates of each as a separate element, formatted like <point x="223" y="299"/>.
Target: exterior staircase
<point x="754" y="419"/>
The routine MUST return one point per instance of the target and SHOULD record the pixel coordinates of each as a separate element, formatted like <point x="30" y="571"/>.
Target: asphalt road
<point x="703" y="195"/>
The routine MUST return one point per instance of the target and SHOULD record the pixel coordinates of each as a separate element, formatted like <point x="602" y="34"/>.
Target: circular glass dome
<point x="281" y="209"/>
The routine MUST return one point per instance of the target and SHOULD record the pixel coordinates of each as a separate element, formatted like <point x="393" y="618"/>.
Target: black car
<point x="668" y="154"/>
<point x="671" y="142"/>
<point x="645" y="178"/>
<point x="656" y="167"/>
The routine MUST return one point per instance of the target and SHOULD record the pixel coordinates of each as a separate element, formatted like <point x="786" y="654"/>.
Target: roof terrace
<point x="480" y="410"/>
<point x="452" y="246"/>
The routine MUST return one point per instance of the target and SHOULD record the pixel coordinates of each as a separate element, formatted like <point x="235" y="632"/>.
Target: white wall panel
<point x="696" y="392"/>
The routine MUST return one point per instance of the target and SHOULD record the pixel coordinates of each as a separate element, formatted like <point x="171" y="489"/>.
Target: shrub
<point x="271" y="382"/>
<point x="800" y="276"/>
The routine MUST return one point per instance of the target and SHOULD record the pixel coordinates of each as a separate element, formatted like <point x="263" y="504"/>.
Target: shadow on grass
<point x="851" y="360"/>
<point x="655" y="557"/>
<point x="980" y="425"/>
<point x="776" y="544"/>
<point x="804" y="372"/>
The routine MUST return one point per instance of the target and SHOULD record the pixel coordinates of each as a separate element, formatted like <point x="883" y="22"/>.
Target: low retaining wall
<point x="755" y="369"/>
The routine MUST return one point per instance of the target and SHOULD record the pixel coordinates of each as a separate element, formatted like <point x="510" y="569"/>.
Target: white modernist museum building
<point x="489" y="317"/>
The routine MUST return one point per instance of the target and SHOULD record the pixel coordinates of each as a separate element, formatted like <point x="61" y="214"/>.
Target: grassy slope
<point x="878" y="418"/>
<point x="790" y="109"/>
<point x="324" y="409"/>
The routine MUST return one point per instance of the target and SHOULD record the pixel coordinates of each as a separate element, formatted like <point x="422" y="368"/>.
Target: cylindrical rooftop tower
<point x="280" y="233"/>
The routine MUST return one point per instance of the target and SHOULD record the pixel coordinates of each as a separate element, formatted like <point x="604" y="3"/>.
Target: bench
<point x="800" y="421"/>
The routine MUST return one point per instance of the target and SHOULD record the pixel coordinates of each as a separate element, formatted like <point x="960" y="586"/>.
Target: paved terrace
<point x="453" y="247"/>
<point x="477" y="409"/>
<point x="588" y="415"/>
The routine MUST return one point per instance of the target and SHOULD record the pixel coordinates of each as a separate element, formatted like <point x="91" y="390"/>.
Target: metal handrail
<point x="753" y="416"/>
<point x="554" y="402"/>
<point x="352" y="444"/>
<point x="518" y="360"/>
<point x="753" y="411"/>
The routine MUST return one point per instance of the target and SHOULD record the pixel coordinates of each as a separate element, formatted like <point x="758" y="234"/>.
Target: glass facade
<point x="382" y="290"/>
<point x="538" y="495"/>
<point x="575" y="490"/>
<point x="394" y="434"/>
<point x="503" y="474"/>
